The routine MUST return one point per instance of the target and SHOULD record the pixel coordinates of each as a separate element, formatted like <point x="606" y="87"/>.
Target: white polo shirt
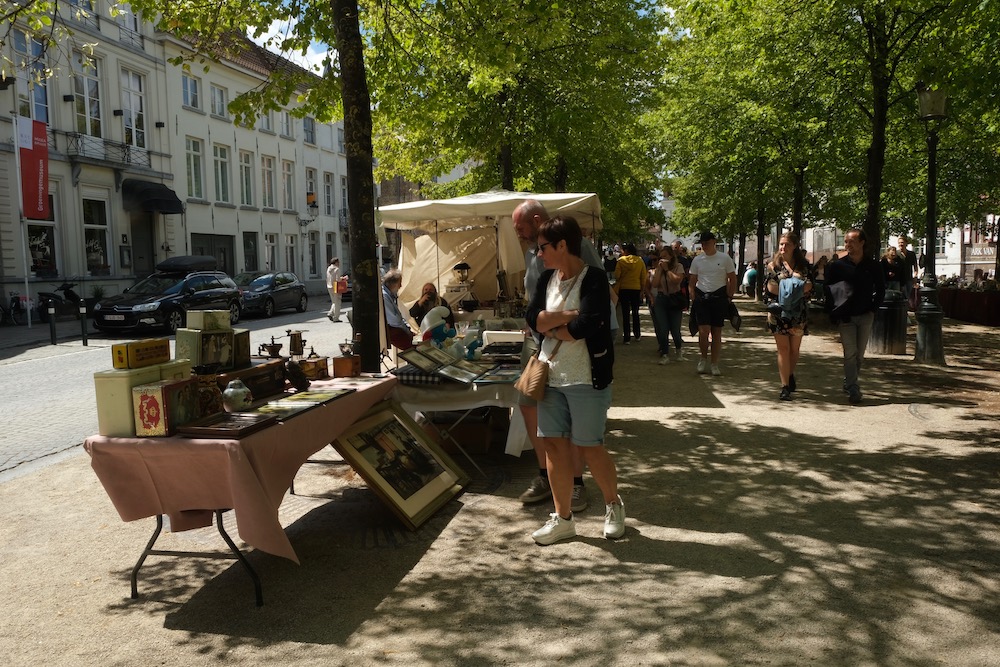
<point x="712" y="270"/>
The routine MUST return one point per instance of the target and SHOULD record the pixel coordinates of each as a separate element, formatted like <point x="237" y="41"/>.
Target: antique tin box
<point x="140" y="353"/>
<point x="160" y="407"/>
<point x="209" y="320"/>
<point x="205" y="348"/>
<point x="264" y="379"/>
<point x="113" y="390"/>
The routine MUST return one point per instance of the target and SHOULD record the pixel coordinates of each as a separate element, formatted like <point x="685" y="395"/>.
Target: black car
<point x="267" y="292"/>
<point x="161" y="300"/>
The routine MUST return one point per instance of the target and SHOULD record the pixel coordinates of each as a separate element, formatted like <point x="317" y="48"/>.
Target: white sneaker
<point x="715" y="369"/>
<point x="614" y="520"/>
<point x="703" y="365"/>
<point x="555" y="529"/>
<point x="680" y="354"/>
<point x="664" y="359"/>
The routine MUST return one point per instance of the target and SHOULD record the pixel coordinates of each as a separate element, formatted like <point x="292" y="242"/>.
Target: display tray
<point x="285" y="406"/>
<point x="501" y="374"/>
<point x="227" y="425"/>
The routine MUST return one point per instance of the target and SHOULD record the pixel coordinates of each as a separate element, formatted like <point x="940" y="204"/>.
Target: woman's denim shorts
<point x="578" y="412"/>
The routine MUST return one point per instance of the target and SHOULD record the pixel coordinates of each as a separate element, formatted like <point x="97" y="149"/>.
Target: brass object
<point x="296" y="344"/>
<point x="272" y="349"/>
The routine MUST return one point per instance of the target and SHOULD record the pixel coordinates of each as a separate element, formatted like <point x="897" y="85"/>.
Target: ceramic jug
<point x="237" y="396"/>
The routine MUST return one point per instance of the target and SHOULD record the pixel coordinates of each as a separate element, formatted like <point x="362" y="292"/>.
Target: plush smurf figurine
<point x="435" y="328"/>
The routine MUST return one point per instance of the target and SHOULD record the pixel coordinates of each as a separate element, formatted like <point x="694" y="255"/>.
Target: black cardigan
<point x="593" y="323"/>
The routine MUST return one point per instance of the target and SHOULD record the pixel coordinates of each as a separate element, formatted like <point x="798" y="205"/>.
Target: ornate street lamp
<point x="930" y="345"/>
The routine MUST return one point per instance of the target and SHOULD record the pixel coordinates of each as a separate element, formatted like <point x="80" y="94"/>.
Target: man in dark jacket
<point x="855" y="287"/>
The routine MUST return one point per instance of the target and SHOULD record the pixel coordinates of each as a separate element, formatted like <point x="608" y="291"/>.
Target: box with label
<point x="209" y="320"/>
<point x="140" y="353"/>
<point x="262" y="379"/>
<point x="160" y="407"/>
<point x="175" y="369"/>
<point x="204" y="348"/>
<point x="114" y="398"/>
<point x="347" y="367"/>
<point x="241" y="348"/>
<point x="317" y="368"/>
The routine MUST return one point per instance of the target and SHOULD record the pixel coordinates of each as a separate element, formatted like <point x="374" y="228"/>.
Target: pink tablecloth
<point x="187" y="479"/>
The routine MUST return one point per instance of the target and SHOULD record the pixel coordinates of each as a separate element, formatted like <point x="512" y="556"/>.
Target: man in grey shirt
<point x="528" y="216"/>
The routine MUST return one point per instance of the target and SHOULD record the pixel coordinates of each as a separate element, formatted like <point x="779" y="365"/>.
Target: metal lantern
<point x="462" y="272"/>
<point x="933" y="104"/>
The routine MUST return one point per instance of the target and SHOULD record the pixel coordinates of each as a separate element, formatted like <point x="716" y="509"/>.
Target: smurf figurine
<point x="435" y="328"/>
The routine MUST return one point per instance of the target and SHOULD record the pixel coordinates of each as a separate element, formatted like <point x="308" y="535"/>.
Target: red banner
<point x="34" y="146"/>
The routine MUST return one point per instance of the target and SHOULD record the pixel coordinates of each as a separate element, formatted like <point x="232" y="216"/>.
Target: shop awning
<point x="150" y="196"/>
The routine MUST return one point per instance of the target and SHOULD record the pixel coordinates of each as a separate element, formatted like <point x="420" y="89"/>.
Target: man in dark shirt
<point x="908" y="262"/>
<point x="855" y="287"/>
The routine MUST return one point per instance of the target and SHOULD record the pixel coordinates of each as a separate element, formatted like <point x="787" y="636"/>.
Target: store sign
<point x="981" y="252"/>
<point x="34" y="147"/>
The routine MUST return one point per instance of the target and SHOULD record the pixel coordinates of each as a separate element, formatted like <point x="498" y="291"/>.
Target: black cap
<point x="706" y="236"/>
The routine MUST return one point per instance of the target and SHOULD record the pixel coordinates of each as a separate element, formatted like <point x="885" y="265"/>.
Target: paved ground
<point x="759" y="532"/>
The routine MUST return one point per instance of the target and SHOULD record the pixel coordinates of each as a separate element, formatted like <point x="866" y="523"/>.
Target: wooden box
<point x="209" y="320"/>
<point x="262" y="379"/>
<point x="160" y="407"/>
<point x="176" y="369"/>
<point x="113" y="390"/>
<point x="140" y="353"/>
<point x="205" y="347"/>
<point x="317" y="368"/>
<point x="241" y="348"/>
<point x="347" y="367"/>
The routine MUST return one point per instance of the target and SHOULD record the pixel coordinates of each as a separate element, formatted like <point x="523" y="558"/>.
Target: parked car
<point x="267" y="292"/>
<point x="162" y="299"/>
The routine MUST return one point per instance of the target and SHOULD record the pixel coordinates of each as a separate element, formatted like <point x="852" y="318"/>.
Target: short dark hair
<point x="563" y="228"/>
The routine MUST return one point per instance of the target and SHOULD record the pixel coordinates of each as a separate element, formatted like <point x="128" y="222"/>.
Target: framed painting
<point x="405" y="468"/>
<point x="421" y="361"/>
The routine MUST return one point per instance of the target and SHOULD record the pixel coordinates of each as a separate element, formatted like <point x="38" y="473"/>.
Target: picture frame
<point x="421" y="361"/>
<point x="410" y="473"/>
<point x="227" y="425"/>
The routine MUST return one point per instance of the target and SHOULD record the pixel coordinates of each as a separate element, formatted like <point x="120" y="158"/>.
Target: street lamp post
<point x="930" y="344"/>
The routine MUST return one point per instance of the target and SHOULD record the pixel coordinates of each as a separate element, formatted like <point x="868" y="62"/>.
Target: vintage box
<point x="263" y="379"/>
<point x="140" y="353"/>
<point x="176" y="369"/>
<point x="113" y="390"/>
<point x="160" y="407"/>
<point x="347" y="367"/>
<point x="241" y="348"/>
<point x="209" y="320"/>
<point x="317" y="368"/>
<point x="204" y="348"/>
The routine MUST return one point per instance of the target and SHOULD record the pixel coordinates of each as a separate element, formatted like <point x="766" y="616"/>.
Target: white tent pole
<point x="437" y="259"/>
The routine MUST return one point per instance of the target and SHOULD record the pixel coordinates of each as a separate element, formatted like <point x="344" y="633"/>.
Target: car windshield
<point x="254" y="281"/>
<point x="158" y="283"/>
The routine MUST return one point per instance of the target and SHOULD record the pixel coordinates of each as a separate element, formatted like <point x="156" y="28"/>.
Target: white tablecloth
<point x="454" y="396"/>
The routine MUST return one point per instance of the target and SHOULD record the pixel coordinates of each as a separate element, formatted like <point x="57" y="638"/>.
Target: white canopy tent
<point x="478" y="230"/>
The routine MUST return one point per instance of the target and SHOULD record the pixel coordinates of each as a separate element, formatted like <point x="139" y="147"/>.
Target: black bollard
<point x="52" y="323"/>
<point x="83" y="321"/>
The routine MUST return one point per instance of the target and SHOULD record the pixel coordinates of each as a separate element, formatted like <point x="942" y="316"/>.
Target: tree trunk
<point x="561" y="174"/>
<point x="798" y="201"/>
<point x="875" y="164"/>
<point x="365" y="276"/>
<point x="761" y="232"/>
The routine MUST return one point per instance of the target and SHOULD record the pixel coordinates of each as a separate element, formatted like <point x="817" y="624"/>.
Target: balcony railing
<point x="85" y="16"/>
<point x="342" y="215"/>
<point x="129" y="37"/>
<point x="84" y="145"/>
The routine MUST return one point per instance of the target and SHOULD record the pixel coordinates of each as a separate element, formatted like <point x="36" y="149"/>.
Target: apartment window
<point x="128" y="26"/>
<point x="290" y="252"/>
<point x="250" y="251"/>
<point x="246" y="178"/>
<point x="940" y="242"/>
<point x="267" y="181"/>
<point x="343" y="194"/>
<point x="220" y="101"/>
<point x="313" y="254"/>
<point x="286" y="125"/>
<point x="87" y="95"/>
<point x="42" y="244"/>
<point x="191" y="88"/>
<point x="328" y="203"/>
<point x="270" y="252"/>
<point x="288" y="185"/>
<point x="134" y="108"/>
<point x="311" y="185"/>
<point x="193" y="161"/>
<point x="331" y="245"/>
<point x="220" y="162"/>
<point x="340" y="139"/>
<point x="309" y="130"/>
<point x="95" y="236"/>
<point x="83" y="12"/>
<point x="32" y="92"/>
<point x="266" y="123"/>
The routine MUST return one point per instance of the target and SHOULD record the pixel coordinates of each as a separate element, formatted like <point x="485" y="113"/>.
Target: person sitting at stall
<point x="400" y="333"/>
<point x="430" y="299"/>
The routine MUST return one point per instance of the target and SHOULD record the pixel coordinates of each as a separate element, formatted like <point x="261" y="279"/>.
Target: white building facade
<point x="145" y="162"/>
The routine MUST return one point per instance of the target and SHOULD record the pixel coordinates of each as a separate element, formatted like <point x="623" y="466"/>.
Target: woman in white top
<point x="571" y="310"/>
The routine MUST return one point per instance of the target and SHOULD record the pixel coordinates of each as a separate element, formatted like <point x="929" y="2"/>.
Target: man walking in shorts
<point x="713" y="284"/>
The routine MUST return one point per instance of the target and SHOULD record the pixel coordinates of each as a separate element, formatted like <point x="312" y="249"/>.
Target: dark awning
<point x="149" y="196"/>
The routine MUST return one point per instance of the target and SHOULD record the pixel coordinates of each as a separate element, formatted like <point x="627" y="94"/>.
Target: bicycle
<point x="14" y="313"/>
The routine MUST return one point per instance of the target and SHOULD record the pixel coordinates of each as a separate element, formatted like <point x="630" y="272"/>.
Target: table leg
<point x="446" y="433"/>
<point x="235" y="555"/>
